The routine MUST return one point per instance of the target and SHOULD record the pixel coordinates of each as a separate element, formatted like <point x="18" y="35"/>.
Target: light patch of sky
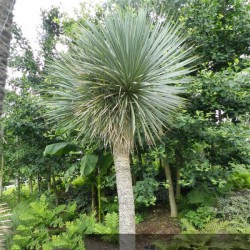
<point x="27" y="14"/>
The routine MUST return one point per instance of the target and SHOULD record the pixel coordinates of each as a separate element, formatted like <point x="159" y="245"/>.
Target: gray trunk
<point x="6" y="7"/>
<point x="171" y="196"/>
<point x="126" y="200"/>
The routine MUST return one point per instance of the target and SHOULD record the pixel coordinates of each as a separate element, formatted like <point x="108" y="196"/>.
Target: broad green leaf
<point x="88" y="164"/>
<point x="105" y="163"/>
<point x="70" y="171"/>
<point x="59" y="149"/>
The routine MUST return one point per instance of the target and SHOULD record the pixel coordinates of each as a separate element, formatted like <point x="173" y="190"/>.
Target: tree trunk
<point x="99" y="197"/>
<point x="31" y="184"/>
<point x="55" y="190"/>
<point x="219" y="116"/>
<point x="49" y="178"/>
<point x="6" y="7"/>
<point x="132" y="165"/>
<point x="38" y="183"/>
<point x="125" y="198"/>
<point x="18" y="189"/>
<point x="178" y="186"/>
<point x="173" y="207"/>
<point x="93" y="198"/>
<point x="49" y="184"/>
<point x="1" y="175"/>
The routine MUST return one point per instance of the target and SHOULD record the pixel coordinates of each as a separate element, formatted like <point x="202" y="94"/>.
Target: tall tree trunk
<point x="49" y="177"/>
<point x="18" y="188"/>
<point x="6" y="7"/>
<point x="219" y="115"/>
<point x="1" y="175"/>
<point x="49" y="183"/>
<point x="38" y="183"/>
<point x="55" y="190"/>
<point x="99" y="197"/>
<point x="93" y="198"/>
<point x="178" y="186"/>
<point x="125" y="198"/>
<point x="31" y="184"/>
<point x="132" y="165"/>
<point x="171" y="196"/>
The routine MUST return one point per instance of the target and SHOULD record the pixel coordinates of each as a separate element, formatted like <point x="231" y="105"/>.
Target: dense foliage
<point x="65" y="188"/>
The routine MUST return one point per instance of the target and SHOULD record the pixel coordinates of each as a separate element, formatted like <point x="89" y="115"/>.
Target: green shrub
<point x="144" y="192"/>
<point x="235" y="206"/>
<point x="240" y="177"/>
<point x="79" y="181"/>
<point x="199" y="197"/>
<point x="10" y="196"/>
<point x="215" y="235"/>
<point x="199" y="218"/>
<point x="139" y="218"/>
<point x="36" y="222"/>
<point x="197" y="174"/>
<point x="109" y="228"/>
<point x="111" y="206"/>
<point x="73" y="238"/>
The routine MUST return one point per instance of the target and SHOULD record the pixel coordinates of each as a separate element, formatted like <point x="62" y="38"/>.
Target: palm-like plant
<point x="117" y="80"/>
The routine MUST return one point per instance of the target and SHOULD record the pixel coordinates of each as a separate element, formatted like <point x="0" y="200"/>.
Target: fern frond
<point x="188" y="227"/>
<point x="215" y="227"/>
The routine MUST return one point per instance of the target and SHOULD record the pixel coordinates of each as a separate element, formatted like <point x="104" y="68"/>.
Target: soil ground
<point x="158" y="225"/>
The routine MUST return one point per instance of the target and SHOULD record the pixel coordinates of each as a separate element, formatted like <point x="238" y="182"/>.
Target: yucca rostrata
<point x="119" y="79"/>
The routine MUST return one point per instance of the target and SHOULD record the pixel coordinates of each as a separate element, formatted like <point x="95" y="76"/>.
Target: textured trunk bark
<point x="126" y="199"/>
<point x="6" y="7"/>
<point x="131" y="166"/>
<point x="173" y="207"/>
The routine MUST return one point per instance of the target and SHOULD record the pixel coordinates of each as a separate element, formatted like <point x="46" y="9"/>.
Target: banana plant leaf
<point x="60" y="148"/>
<point x="88" y="164"/>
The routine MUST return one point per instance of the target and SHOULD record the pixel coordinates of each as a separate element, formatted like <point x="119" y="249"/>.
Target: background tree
<point x="220" y="28"/>
<point x="5" y="36"/>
